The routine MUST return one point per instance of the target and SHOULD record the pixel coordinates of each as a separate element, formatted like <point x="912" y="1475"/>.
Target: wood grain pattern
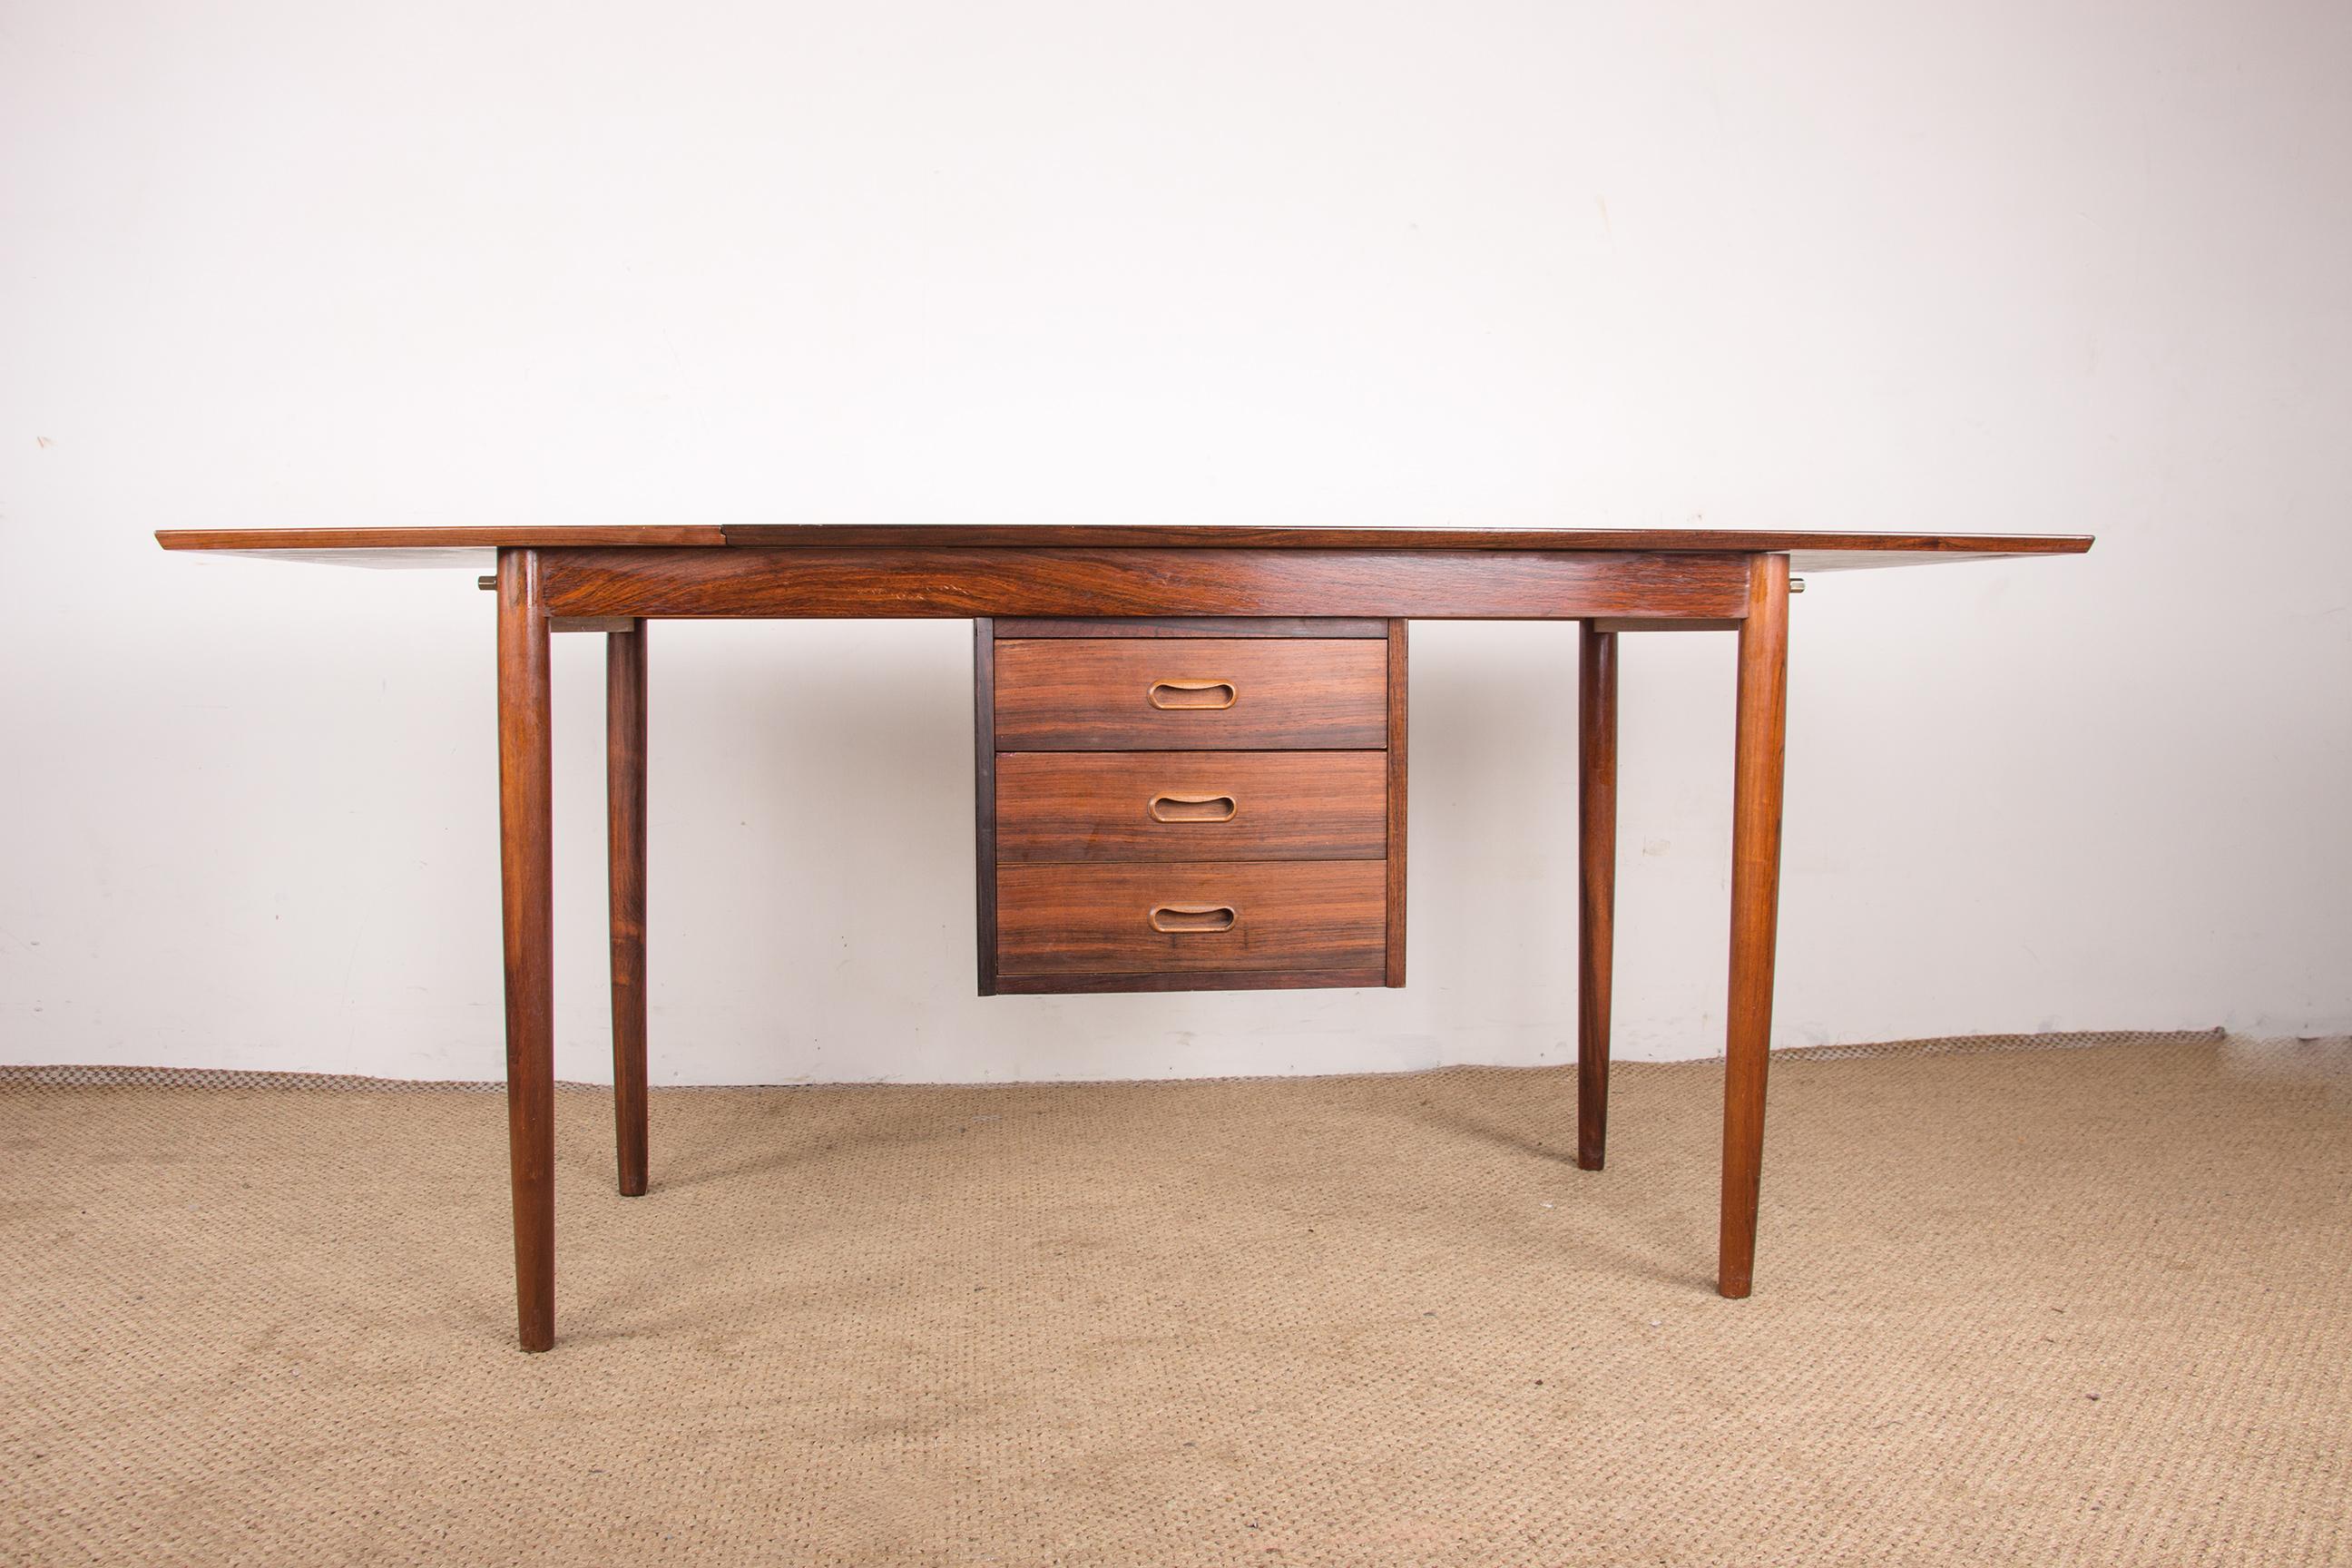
<point x="1758" y="748"/>
<point x="625" y="859"/>
<point x="526" y="882"/>
<point x="1097" y="694"/>
<point x="1095" y="808"/>
<point x="1095" y="805"/>
<point x="1192" y="626"/>
<point x="1596" y="833"/>
<point x="814" y="583"/>
<point x="1289" y="915"/>
<point x="1392" y="965"/>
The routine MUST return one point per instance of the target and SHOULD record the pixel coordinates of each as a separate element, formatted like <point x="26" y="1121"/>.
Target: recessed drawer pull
<point x="1179" y="917"/>
<point x="1193" y="807"/>
<point x="1187" y="694"/>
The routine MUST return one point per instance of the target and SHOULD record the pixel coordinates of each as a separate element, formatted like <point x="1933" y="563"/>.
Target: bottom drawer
<point x="1191" y="918"/>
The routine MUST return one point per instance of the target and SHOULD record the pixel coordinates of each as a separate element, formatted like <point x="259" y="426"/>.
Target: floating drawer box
<point x="1190" y="805"/>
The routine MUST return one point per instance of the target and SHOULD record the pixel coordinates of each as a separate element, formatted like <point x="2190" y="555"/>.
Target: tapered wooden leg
<point x="1755" y="908"/>
<point x="1596" y="757"/>
<point x="625" y="805"/>
<point x="526" y="801"/>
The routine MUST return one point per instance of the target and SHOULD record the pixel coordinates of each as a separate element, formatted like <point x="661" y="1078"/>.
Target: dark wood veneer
<point x="1096" y="805"/>
<point x="1331" y="922"/>
<point x="625" y="807"/>
<point x="1812" y="551"/>
<point x="1064" y="823"/>
<point x="1178" y="536"/>
<point x="526" y="882"/>
<point x="913" y="583"/>
<point x="1095" y="694"/>
<point x="1760" y="741"/>
<point x="1096" y="918"/>
<point x="1596" y="837"/>
<point x="984" y="689"/>
<point x="1192" y="627"/>
<point x="1393" y="964"/>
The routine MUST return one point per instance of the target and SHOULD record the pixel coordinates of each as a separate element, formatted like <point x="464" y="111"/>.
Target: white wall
<point x="2070" y="266"/>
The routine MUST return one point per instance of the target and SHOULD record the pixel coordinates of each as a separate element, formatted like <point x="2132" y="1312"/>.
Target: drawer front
<point x="1191" y="805"/>
<point x="1189" y="916"/>
<point x="1139" y="694"/>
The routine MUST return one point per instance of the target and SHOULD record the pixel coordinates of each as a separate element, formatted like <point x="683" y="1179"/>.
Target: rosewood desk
<point x="1191" y="767"/>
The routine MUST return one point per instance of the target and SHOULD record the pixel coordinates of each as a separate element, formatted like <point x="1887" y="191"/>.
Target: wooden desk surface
<point x="474" y="545"/>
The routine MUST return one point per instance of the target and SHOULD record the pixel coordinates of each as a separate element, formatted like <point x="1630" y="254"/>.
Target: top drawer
<point x="1070" y="694"/>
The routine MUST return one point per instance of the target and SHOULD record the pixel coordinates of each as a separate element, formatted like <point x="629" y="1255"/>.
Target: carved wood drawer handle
<point x="1190" y="694"/>
<point x="1193" y="807"/>
<point x="1178" y="918"/>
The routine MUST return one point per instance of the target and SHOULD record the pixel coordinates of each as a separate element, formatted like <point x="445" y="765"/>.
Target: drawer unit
<point x="1190" y="805"/>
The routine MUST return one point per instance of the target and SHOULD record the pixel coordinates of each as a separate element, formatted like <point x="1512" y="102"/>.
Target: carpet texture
<point x="2058" y="1306"/>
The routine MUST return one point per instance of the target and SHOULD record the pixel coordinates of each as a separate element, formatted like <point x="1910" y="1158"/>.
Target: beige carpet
<point x="2053" y="1306"/>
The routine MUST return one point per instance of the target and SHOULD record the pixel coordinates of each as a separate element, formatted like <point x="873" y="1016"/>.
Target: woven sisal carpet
<point x="2039" y="1306"/>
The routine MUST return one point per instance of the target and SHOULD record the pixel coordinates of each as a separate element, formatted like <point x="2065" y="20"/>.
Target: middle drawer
<point x="1191" y="805"/>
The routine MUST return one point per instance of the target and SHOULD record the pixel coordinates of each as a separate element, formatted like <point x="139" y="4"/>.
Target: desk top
<point x="472" y="546"/>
